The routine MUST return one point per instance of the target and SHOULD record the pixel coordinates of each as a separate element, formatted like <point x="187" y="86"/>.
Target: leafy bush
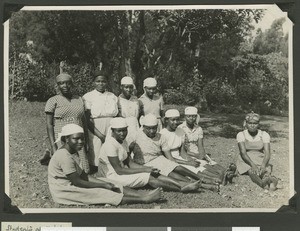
<point x="35" y="81"/>
<point x="173" y="96"/>
<point x="31" y="81"/>
<point x="82" y="75"/>
<point x="220" y="93"/>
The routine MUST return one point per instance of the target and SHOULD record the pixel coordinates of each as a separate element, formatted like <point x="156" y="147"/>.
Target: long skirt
<point x="256" y="156"/>
<point x="70" y="194"/>
<point x="102" y="124"/>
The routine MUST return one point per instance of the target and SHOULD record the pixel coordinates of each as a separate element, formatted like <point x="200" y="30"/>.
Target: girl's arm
<point x="184" y="154"/>
<point x="161" y="111"/>
<point x="246" y="158"/>
<point x="187" y="159"/>
<point x="86" y="134"/>
<point x="201" y="149"/>
<point x="169" y="156"/>
<point x="114" y="161"/>
<point x="132" y="164"/>
<point x="141" y="109"/>
<point x="91" y="126"/>
<point x="119" y="109"/>
<point x="266" y="157"/>
<point x="50" y="131"/>
<point x="85" y="181"/>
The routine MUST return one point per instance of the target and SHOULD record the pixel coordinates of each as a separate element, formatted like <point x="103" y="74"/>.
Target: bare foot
<point x="154" y="195"/>
<point x="273" y="184"/>
<point x="191" y="187"/>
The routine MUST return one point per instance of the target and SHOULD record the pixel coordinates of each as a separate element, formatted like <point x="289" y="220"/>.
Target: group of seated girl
<point x="101" y="131"/>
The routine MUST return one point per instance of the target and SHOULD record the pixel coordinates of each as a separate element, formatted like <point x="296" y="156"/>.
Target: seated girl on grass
<point x="116" y="164"/>
<point x="69" y="184"/>
<point x="179" y="138"/>
<point x="254" y="147"/>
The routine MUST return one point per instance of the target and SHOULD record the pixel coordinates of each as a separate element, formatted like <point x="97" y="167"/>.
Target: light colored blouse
<point x="175" y="140"/>
<point x="101" y="104"/>
<point x="192" y="136"/>
<point x="147" y="149"/>
<point x="129" y="107"/>
<point x="153" y="106"/>
<point x="112" y="148"/>
<point x="261" y="135"/>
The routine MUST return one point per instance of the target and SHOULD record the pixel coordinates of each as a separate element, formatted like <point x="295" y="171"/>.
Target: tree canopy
<point x="193" y="53"/>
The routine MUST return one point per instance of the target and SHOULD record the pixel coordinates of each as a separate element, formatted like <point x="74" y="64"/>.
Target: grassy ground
<point x="28" y="179"/>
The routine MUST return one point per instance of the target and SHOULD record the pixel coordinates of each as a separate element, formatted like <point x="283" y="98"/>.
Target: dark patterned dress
<point x="66" y="111"/>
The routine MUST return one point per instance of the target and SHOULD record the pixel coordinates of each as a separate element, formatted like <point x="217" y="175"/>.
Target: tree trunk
<point x="138" y="66"/>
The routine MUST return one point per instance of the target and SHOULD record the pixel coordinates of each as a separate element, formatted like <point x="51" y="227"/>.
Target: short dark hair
<point x="99" y="73"/>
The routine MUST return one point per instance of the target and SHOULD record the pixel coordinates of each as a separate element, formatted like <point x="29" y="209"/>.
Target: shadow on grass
<point x="229" y="125"/>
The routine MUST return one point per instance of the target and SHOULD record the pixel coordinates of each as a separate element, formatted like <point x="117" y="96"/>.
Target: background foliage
<point x="208" y="58"/>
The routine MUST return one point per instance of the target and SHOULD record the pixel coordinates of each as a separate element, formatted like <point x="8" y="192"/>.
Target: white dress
<point x="129" y="109"/>
<point x="103" y="107"/>
<point x="175" y="140"/>
<point x="112" y="148"/>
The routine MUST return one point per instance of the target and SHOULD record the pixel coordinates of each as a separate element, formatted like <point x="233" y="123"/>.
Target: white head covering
<point x="118" y="122"/>
<point x="190" y="111"/>
<point x="126" y="81"/>
<point x="68" y="130"/>
<point x="172" y="113"/>
<point x="150" y="82"/>
<point x="149" y="120"/>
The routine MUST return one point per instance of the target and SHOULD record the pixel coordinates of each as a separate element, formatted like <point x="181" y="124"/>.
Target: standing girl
<point x="151" y="102"/>
<point x="101" y="106"/>
<point x="129" y="108"/>
<point x="62" y="109"/>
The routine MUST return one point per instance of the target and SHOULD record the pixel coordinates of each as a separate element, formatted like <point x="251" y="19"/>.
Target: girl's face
<point x="75" y="141"/>
<point x="190" y="119"/>
<point x="119" y="133"/>
<point x="252" y="126"/>
<point x="127" y="90"/>
<point x="150" y="91"/>
<point x="150" y="131"/>
<point x="173" y="123"/>
<point x="100" y="83"/>
<point x="64" y="85"/>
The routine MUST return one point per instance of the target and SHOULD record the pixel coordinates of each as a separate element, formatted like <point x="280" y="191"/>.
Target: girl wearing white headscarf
<point x="151" y="102"/>
<point x="69" y="184"/>
<point x="129" y="108"/>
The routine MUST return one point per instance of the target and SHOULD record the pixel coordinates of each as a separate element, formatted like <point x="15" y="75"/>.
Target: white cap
<point x="126" y="81"/>
<point x="150" y="82"/>
<point x="118" y="122"/>
<point x="68" y="130"/>
<point x="172" y="113"/>
<point x="149" y="120"/>
<point x="190" y="111"/>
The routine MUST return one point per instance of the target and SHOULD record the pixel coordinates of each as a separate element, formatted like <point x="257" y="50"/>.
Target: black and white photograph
<point x="149" y="109"/>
